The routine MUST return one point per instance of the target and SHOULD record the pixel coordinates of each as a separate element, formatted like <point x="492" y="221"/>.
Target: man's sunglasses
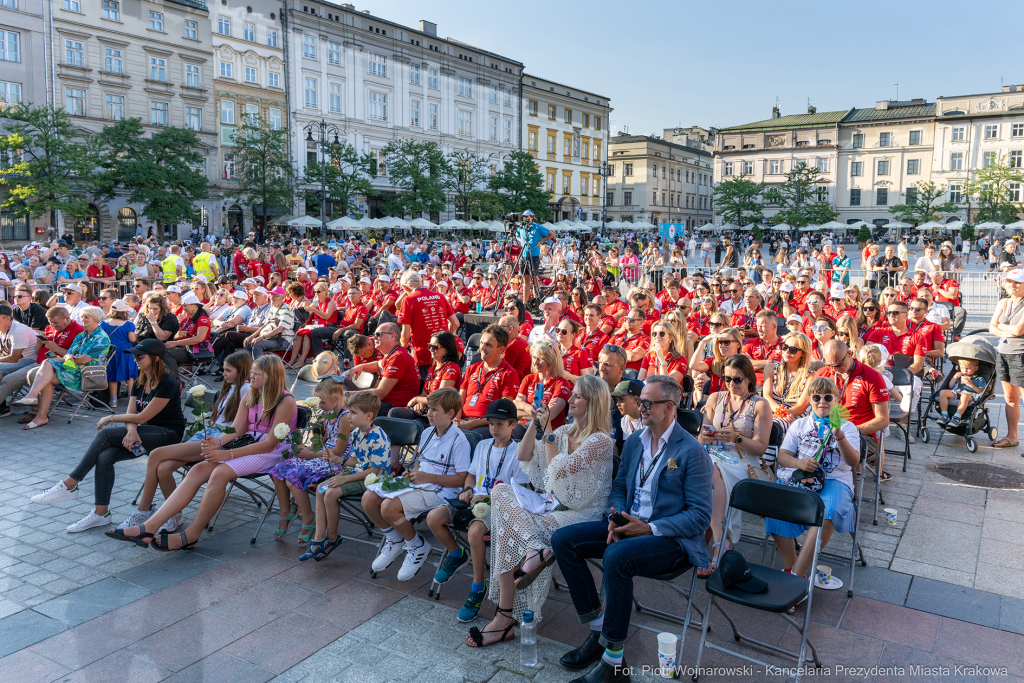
<point x="893" y="313"/>
<point x="646" y="403"/>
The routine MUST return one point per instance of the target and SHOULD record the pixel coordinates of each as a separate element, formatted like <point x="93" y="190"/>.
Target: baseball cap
<point x="1016" y="275"/>
<point x="793" y="317"/>
<point x="628" y="387"/>
<point x="260" y="290"/>
<point x="72" y="288"/>
<point x="734" y="572"/>
<point x="239" y="294"/>
<point x="502" y="409"/>
<point x="174" y="288"/>
<point x="837" y="290"/>
<point x="192" y="299"/>
<point x="119" y="305"/>
<point x="529" y="212"/>
<point x="552" y="300"/>
<point x="248" y="281"/>
<point x="384" y="278"/>
<point x="152" y="347"/>
<point x="786" y="287"/>
<point x="277" y="291"/>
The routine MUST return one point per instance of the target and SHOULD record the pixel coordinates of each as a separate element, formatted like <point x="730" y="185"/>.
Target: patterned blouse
<point x="372" y="449"/>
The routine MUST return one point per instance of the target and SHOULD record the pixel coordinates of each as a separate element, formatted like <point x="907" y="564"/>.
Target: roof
<point x="816" y="120"/>
<point x="562" y="85"/>
<point x="897" y="112"/>
<point x="615" y="139"/>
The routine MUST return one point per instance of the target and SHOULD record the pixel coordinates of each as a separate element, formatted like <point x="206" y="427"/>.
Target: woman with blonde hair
<point x="548" y="370"/>
<point x="572" y="462"/>
<point x="782" y="261"/>
<point x="703" y="310"/>
<point x="847" y="332"/>
<point x="823" y="330"/>
<point x="666" y="356"/>
<point x="723" y="344"/>
<point x="678" y="319"/>
<point x="784" y="381"/>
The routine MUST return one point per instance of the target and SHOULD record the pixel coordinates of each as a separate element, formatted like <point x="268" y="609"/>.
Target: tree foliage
<point x="738" y="200"/>
<point x="991" y="188"/>
<point x="798" y="199"/>
<point x="927" y="205"/>
<point x="264" y="174"/>
<point x="521" y="186"/>
<point x="347" y="177"/>
<point x="465" y="177"/>
<point x="417" y="171"/>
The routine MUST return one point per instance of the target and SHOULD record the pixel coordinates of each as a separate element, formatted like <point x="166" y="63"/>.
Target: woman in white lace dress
<point x="574" y="465"/>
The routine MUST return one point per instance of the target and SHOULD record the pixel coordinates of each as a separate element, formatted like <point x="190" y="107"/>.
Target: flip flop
<point x="33" y="425"/>
<point x="1005" y="443"/>
<point x="27" y="401"/>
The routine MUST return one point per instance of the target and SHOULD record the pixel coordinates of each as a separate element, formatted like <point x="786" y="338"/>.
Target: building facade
<point x="566" y="130"/>
<point x="377" y="80"/>
<point x="658" y="181"/>
<point x="149" y="59"/>
<point x="249" y="83"/>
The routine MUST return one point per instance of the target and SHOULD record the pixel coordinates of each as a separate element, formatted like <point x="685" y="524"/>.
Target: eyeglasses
<point x="818" y="398"/>
<point x="732" y="379"/>
<point x="790" y="349"/>
<point x="660" y="333"/>
<point x="917" y="309"/>
<point x="433" y="347"/>
<point x="890" y="314"/>
<point x="840" y="363"/>
<point x="636" y="320"/>
<point x="803" y="282"/>
<point x="646" y="403"/>
<point x="559" y="331"/>
<point x="377" y="335"/>
<point x="707" y="301"/>
<point x="819" y="328"/>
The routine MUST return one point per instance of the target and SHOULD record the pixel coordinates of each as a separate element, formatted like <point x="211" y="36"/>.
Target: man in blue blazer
<point x="663" y="492"/>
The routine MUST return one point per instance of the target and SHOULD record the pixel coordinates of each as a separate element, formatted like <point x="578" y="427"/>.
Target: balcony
<point x="198" y="4"/>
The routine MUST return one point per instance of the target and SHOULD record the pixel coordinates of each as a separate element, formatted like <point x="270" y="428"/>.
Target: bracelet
<point x="231" y="454"/>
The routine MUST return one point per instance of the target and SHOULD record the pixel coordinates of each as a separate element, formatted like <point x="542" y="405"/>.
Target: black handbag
<point x="239" y="442"/>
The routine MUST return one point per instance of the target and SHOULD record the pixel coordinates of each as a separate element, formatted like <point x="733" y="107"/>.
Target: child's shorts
<point x="416" y="502"/>
<point x="959" y="391"/>
<point x="349" y="488"/>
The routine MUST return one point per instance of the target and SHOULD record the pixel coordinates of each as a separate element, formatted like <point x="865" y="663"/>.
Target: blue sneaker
<point x="471" y="607"/>
<point x="450" y="565"/>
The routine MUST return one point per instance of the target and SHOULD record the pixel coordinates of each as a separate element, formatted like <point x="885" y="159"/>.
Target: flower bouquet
<point x="311" y="435"/>
<point x="202" y="412"/>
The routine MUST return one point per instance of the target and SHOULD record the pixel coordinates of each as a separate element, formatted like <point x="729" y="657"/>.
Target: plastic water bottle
<point x="528" y="640"/>
<point x="479" y="306"/>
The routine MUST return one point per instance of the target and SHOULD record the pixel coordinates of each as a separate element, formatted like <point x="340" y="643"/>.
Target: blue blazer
<point x="681" y="497"/>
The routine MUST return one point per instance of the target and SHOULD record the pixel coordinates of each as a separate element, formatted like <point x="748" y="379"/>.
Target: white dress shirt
<point x="646" y="503"/>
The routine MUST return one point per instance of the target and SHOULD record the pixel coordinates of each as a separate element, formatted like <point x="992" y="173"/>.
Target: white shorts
<point x="416" y="502"/>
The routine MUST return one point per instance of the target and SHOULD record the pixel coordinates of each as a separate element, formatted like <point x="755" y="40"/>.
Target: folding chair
<point x="629" y="373"/>
<point x="472" y="352"/>
<point x="789" y="504"/>
<point x="856" y="552"/>
<point x="189" y="373"/>
<point x="77" y="399"/>
<point x="903" y="380"/>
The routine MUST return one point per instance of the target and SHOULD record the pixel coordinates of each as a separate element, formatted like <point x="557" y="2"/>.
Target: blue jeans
<point x="638" y="556"/>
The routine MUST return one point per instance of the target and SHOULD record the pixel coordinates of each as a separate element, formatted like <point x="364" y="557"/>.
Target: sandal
<point x="315" y="551"/>
<point x="160" y="543"/>
<point x="120" y="535"/>
<point x="476" y="636"/>
<point x="885" y="477"/>
<point x="706" y="572"/>
<point x="306" y="535"/>
<point x="329" y="547"/>
<point x="280" y="533"/>
<point x="1005" y="443"/>
<point x="525" y="579"/>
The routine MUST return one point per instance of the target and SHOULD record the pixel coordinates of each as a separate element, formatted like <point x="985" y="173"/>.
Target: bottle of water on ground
<point x="528" y="640"/>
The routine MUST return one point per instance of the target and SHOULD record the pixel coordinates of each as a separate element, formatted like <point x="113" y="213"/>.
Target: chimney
<point x="349" y="6"/>
<point x="428" y="27"/>
<point x="882" y="105"/>
<point x="776" y="113"/>
<point x="811" y="109"/>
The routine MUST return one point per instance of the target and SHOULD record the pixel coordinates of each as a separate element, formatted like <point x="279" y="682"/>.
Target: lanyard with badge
<point x="489" y="481"/>
<point x="644" y="476"/>
<point x="481" y="384"/>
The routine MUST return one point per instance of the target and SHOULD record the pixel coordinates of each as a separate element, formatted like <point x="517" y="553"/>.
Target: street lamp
<point x="604" y="172"/>
<point x="320" y="133"/>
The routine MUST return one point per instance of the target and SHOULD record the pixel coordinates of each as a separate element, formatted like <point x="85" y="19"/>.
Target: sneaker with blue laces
<point x="471" y="607"/>
<point x="450" y="565"/>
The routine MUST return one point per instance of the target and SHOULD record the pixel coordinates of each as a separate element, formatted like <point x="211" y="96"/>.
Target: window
<point x="229" y="165"/>
<point x="73" y="53"/>
<point x="1013" y="192"/>
<point x="775" y="166"/>
<point x="854" y="197"/>
<point x="156" y="21"/>
<point x="507" y="133"/>
<point x="597" y="123"/>
<point x="748" y="168"/>
<point x="309" y="47"/>
<point x="911" y="196"/>
<point x="532" y="108"/>
<point x="494" y="129"/>
<point x="74" y="101"/>
<point x="157" y="69"/>
<point x="627" y="198"/>
<point x="274" y="80"/>
<point x="532" y="141"/>
<point x="432" y="114"/>
<point x="311" y="159"/>
<point x="112" y="60"/>
<point x="566" y="184"/>
<point x="227" y="70"/>
<point x="193" y="118"/>
<point x="586" y="120"/>
<point x="584" y="150"/>
<point x="568" y="116"/>
<point x="820" y="193"/>
<point x="884" y="139"/>
<point x="465" y="87"/>
<point x="378" y="65"/>
<point x="858" y="140"/>
<point x="10" y="93"/>
<point x="381" y="161"/>
<point x="550" y="186"/>
<point x="915" y="137"/>
<point x="224" y="26"/>
<point x="551" y="143"/>
<point x="414" y="74"/>
<point x="957" y="133"/>
<point x="432" y="79"/>
<point x="567" y="146"/>
<point x="727" y="168"/>
<point x="956" y="161"/>
<point x="114" y="108"/>
<point x="272" y="37"/>
<point x="988" y="159"/>
<point x="913" y="166"/>
<point x="158" y="113"/>
<point x="378" y="106"/>
<point x="551" y="112"/>
<point x="310" y="90"/>
<point x="654" y="198"/>
<point x="72" y="5"/>
<point x="823" y="165"/>
<point x="252" y="114"/>
<point x="883" y="167"/>
<point x="584" y="186"/>
<point x="597" y="151"/>
<point x="991" y="131"/>
<point x="955" y="195"/>
<point x="493" y="94"/>
<point x="654" y="171"/>
<point x="250" y="75"/>
<point x="596" y="187"/>
<point x="465" y="122"/>
<point x="192" y="76"/>
<point x="882" y="197"/>
<point x="856" y="168"/>
<point x="249" y="32"/>
<point x="414" y="113"/>
<point x="1017" y="130"/>
<point x="506" y="98"/>
<point x="191" y="30"/>
<point x="275" y="119"/>
<point x="627" y="169"/>
<point x="111" y="10"/>
<point x="609" y="198"/>
<point x="335" y="98"/>
<point x="227" y="112"/>
<point x="333" y="53"/>
<point x="1016" y="159"/>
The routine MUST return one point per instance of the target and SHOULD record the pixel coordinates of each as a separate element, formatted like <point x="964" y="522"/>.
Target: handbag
<point x="94" y="378"/>
<point x="239" y="442"/>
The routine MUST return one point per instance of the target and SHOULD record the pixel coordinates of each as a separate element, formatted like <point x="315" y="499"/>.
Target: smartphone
<point x="139" y="450"/>
<point x="618" y="519"/>
<point x="538" y="396"/>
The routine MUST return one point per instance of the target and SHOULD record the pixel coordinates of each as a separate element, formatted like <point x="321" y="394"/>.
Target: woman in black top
<point x="155" y="321"/>
<point x="154" y="419"/>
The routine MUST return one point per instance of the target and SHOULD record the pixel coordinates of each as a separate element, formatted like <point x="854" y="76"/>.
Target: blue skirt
<point x="838" y="499"/>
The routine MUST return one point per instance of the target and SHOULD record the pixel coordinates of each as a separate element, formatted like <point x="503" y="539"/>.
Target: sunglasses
<point x="433" y="347"/>
<point x="916" y="309"/>
<point x="377" y="335"/>
<point x="636" y="320"/>
<point x="890" y="314"/>
<point x="646" y="403"/>
<point x="790" y="349"/>
<point x="818" y="398"/>
<point x="838" y="364"/>
<point x="729" y="379"/>
<point x="715" y="325"/>
<point x="870" y="309"/>
<point x="819" y="328"/>
<point x="660" y="333"/>
<point x="560" y="332"/>
<point x="727" y="342"/>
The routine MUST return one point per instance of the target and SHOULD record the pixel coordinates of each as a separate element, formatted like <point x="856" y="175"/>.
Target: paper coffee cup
<point x="667" y="645"/>
<point x="890" y="516"/>
<point x="824" y="574"/>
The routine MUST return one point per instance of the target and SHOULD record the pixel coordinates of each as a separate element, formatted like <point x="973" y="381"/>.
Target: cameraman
<point x="534" y="235"/>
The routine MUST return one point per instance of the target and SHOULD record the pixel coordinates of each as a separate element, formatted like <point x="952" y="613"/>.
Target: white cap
<point x="457" y="275"/>
<point x="300" y="269"/>
<point x="260" y="290"/>
<point x="552" y="300"/>
<point x="1016" y="275"/>
<point x="837" y="290"/>
<point x="260" y="278"/>
<point x="191" y="298"/>
<point x="383" y="278"/>
<point x="239" y="294"/>
<point x="174" y="288"/>
<point x="366" y="280"/>
<point x="442" y="283"/>
<point x="201" y="278"/>
<point x="794" y="318"/>
<point x="120" y="305"/>
<point x="786" y="287"/>
<point x="73" y="287"/>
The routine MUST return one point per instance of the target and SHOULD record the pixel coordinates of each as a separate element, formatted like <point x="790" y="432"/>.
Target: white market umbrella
<point x="1019" y="225"/>
<point x="930" y="225"/>
<point x="896" y="225"/>
<point x="453" y="223"/>
<point x="832" y="225"/>
<point x="614" y="225"/>
<point x="396" y="222"/>
<point x="497" y="226"/>
<point x="954" y="226"/>
<point x="345" y="223"/>
<point x="580" y="226"/>
<point x="592" y="224"/>
<point x="378" y="223"/>
<point x="989" y="225"/>
<point x="365" y="221"/>
<point x="855" y="226"/>
<point x="644" y="224"/>
<point x="481" y="225"/>
<point x="421" y="223"/>
<point x="708" y="227"/>
<point x="303" y="222"/>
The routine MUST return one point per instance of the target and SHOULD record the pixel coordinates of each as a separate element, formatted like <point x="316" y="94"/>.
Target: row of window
<point x="251" y="75"/>
<point x="248" y="31"/>
<point x="566" y="145"/>
<point x="667" y="173"/>
<point x="114" y="109"/>
<point x="252" y="113"/>
<point x="887" y="139"/>
<point x="692" y="202"/>
<point x="567" y="115"/>
<point x="587" y="183"/>
<point x="113" y="62"/>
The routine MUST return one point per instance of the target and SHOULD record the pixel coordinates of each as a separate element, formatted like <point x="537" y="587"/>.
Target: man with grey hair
<point x="422" y="314"/>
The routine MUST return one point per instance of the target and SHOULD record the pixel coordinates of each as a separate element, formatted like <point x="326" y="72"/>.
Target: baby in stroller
<point x="966" y="386"/>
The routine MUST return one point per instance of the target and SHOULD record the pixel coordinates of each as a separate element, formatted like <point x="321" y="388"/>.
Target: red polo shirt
<point x="427" y="313"/>
<point x="909" y="343"/>
<point x="759" y="349"/>
<point x="630" y="343"/>
<point x="555" y="387"/>
<point x="62" y="339"/>
<point x="651" y="364"/>
<point x="698" y="324"/>
<point x="744" y="319"/>
<point x="399" y="365"/>
<point x="594" y="342"/>
<point x="947" y="284"/>
<point x="240" y="265"/>
<point x="482" y="387"/>
<point x="861" y="389"/>
<point x="615" y="307"/>
<point x="929" y="333"/>
<point x="576" y="360"/>
<point x="448" y="371"/>
<point x="517" y="354"/>
<point x="352" y="314"/>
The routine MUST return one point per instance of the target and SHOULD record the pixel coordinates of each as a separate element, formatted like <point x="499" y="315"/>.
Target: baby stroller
<point x="976" y="418"/>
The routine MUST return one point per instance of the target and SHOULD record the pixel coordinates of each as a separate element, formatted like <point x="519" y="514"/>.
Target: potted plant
<point x="863" y="236"/>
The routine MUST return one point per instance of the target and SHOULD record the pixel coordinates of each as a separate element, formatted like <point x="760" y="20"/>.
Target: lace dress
<point x="581" y="481"/>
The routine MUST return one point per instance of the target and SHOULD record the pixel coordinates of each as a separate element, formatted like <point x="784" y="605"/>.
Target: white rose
<point x="481" y="510"/>
<point x="371" y="478"/>
<point x="281" y="431"/>
<point x="312" y="402"/>
<point x="198" y="391"/>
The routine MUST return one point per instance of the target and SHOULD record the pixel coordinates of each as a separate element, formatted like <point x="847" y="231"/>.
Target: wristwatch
<point x="739" y="439"/>
<point x="550" y="438"/>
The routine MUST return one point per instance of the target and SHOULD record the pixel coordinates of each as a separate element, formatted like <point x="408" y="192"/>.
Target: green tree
<point x="927" y="204"/>
<point x="417" y="170"/>
<point x="521" y="186"/>
<point x="738" y="200"/>
<point x="48" y="165"/>
<point x="466" y="176"/>
<point x="799" y="199"/>
<point x="991" y="188"/>
<point x="163" y="172"/>
<point x="347" y="177"/>
<point x="264" y="174"/>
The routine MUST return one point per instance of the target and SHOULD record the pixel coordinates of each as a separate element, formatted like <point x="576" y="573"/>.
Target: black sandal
<point x="525" y="579"/>
<point x="476" y="636"/>
<point x="162" y="544"/>
<point x="119" y="535"/>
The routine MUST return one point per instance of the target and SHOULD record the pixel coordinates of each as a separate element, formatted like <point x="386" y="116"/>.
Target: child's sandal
<point x="306" y="535"/>
<point x="315" y="551"/>
<point x="329" y="547"/>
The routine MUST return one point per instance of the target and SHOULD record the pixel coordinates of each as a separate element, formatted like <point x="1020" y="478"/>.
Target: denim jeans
<point x="637" y="556"/>
<point x="106" y="451"/>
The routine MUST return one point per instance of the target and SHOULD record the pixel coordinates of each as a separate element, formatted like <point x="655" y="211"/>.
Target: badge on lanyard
<point x="473" y="399"/>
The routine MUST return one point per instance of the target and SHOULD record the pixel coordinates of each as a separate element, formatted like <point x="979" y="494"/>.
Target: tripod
<point x="521" y="264"/>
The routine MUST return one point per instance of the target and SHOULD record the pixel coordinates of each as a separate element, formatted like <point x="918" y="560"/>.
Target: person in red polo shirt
<point x="399" y="379"/>
<point x="768" y="344"/>
<point x="803" y="288"/>
<point x="897" y="337"/>
<point x="815" y="309"/>
<point x="354" y="315"/>
<point x="948" y="291"/>
<point x="932" y="334"/>
<point x="239" y="263"/>
<point x="633" y="340"/>
<point x="517" y="353"/>
<point x="745" y="319"/>
<point x="486" y="381"/>
<point x="557" y="388"/>
<point x="59" y="333"/>
<point x="594" y="337"/>
<point x="421" y="314"/>
<point x="575" y="359"/>
<point x="614" y="306"/>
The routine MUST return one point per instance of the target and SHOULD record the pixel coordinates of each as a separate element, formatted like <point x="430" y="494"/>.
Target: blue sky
<point x="666" y="63"/>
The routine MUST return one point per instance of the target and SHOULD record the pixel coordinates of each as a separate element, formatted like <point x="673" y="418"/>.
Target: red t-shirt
<point x="630" y="343"/>
<point x="759" y="349"/>
<point x="653" y="316"/>
<point x="526" y="326"/>
<point x="260" y="268"/>
<point x="909" y="343"/>
<point x="103" y="271"/>
<point x="517" y="354"/>
<point x="240" y="265"/>
<point x="744" y="319"/>
<point x="947" y="284"/>
<point x="384" y="300"/>
<point x="615" y="307"/>
<point x="571" y="314"/>
<point x="435" y="376"/>
<point x="427" y="313"/>
<point x="458" y="305"/>
<point x="929" y="333"/>
<point x="555" y="387"/>
<point x="62" y="339"/>
<point x="698" y="324"/>
<point x="609" y="322"/>
<point x="190" y="327"/>
<point x="651" y="364"/>
<point x="594" y="342"/>
<point x="352" y="314"/>
<point x="863" y="388"/>
<point x="399" y="365"/>
<point x="483" y="387"/>
<point x="577" y="360"/>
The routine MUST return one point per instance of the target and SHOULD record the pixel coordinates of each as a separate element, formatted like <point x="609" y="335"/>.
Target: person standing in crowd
<point x="423" y="313"/>
<point x="1007" y="324"/>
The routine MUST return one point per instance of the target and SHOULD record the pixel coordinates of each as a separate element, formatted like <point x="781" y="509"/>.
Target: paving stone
<point x="91" y="601"/>
<point x="957" y="602"/>
<point x="26" y="628"/>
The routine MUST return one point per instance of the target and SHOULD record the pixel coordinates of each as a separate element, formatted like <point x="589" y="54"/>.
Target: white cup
<point x="824" y="574"/>
<point x="890" y="516"/>
<point x="667" y="645"/>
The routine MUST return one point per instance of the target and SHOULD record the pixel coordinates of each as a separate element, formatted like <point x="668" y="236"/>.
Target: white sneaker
<point x="137" y="518"/>
<point x="90" y="521"/>
<point x="415" y="556"/>
<point x="171" y="525"/>
<point x="388" y="554"/>
<point x="56" y="494"/>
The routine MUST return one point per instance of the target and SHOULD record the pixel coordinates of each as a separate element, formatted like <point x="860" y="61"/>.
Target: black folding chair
<point x="789" y="504"/>
<point x="903" y="380"/>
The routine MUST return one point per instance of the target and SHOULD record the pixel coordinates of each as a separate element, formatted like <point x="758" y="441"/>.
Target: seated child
<point x="485" y="472"/>
<point x="439" y="473"/>
<point x="297" y="475"/>
<point x="966" y="386"/>
<point x="370" y="452"/>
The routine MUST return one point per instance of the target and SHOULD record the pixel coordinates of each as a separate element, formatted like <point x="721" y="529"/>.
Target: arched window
<point x="127" y="222"/>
